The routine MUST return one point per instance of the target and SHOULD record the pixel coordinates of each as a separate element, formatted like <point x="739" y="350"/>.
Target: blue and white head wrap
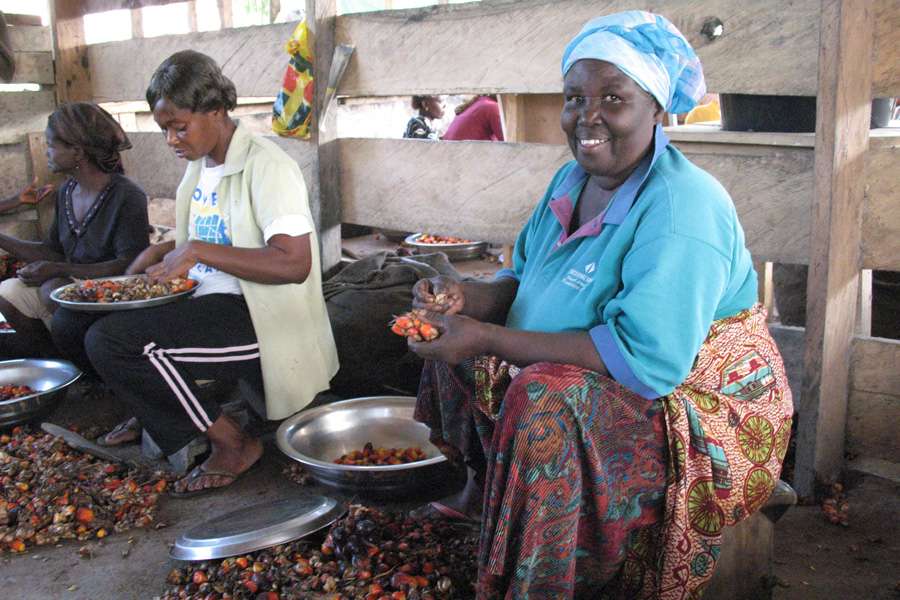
<point x="647" y="48"/>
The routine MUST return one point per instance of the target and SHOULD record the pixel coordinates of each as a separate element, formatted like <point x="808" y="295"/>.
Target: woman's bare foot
<point x="233" y="453"/>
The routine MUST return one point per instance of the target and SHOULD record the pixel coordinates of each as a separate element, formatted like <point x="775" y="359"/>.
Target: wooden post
<point x="73" y="79"/>
<point x="320" y="18"/>
<point x="864" y="314"/>
<point x="137" y="23"/>
<point x="764" y="285"/>
<point x="512" y="117"/>
<point x="274" y="9"/>
<point x="226" y="20"/>
<point x="37" y="152"/>
<point x="842" y="136"/>
<point x="192" y="15"/>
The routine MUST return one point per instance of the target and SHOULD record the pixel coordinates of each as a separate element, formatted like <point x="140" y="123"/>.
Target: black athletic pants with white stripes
<point x="150" y="358"/>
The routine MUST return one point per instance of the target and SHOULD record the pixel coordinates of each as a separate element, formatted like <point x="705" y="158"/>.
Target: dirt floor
<point x="815" y="560"/>
<point x="818" y="560"/>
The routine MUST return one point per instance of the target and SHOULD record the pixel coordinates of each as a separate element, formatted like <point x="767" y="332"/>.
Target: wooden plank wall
<point x="252" y="57"/>
<point x="516" y="47"/>
<point x="20" y="114"/>
<point x="874" y="399"/>
<point x="772" y="186"/>
<point x="153" y="164"/>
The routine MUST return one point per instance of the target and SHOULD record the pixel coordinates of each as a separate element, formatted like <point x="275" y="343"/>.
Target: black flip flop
<point x="201" y="471"/>
<point x="121" y="427"/>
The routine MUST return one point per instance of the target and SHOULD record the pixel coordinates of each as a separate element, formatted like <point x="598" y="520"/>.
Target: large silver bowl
<point x="116" y="306"/>
<point x="48" y="377"/>
<point x="316" y="437"/>
<point x="459" y="251"/>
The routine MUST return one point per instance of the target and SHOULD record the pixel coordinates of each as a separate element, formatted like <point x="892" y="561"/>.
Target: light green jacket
<point x="296" y="347"/>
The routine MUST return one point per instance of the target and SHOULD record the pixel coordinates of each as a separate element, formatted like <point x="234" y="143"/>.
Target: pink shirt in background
<point x="481" y="121"/>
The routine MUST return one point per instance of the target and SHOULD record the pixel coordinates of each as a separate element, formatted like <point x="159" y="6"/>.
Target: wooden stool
<point x="744" y="568"/>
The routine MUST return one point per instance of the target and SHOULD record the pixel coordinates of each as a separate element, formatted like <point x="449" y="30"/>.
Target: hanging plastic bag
<point x="293" y="108"/>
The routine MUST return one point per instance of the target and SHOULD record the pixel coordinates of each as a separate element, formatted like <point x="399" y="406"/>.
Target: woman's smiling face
<point x="608" y="120"/>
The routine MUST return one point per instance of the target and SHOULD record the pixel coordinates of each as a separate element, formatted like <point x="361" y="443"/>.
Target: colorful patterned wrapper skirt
<point x="592" y="491"/>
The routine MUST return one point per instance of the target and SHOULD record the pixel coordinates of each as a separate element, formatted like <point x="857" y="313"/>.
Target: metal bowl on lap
<point x="116" y="306"/>
<point x="316" y="438"/>
<point x="454" y="251"/>
<point x="49" y="379"/>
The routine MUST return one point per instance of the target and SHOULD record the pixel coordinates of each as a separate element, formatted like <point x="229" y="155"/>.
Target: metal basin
<point x="49" y="377"/>
<point x="315" y="438"/>
<point x="459" y="251"/>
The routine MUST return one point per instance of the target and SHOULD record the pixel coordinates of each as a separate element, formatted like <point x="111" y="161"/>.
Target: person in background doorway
<point x="419" y="127"/>
<point x="476" y="119"/>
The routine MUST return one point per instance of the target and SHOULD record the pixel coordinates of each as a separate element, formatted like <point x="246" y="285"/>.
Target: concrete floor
<point x="813" y="558"/>
<point x="59" y="572"/>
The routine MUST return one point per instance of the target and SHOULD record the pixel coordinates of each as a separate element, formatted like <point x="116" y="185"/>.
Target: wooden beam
<point x="24" y="20"/>
<point x="328" y="203"/>
<point x="152" y="164"/>
<point x="514" y="119"/>
<point x="192" y="15"/>
<point x="253" y="57"/>
<point x="30" y="39"/>
<point x="864" y="304"/>
<point x="73" y="77"/>
<point x="96" y="6"/>
<point x="881" y="220"/>
<point x="484" y="190"/>
<point x="842" y="138"/>
<point x="874" y="366"/>
<point x="495" y="47"/>
<point x="24" y="112"/>
<point x="137" y="23"/>
<point x="501" y="182"/>
<point x="37" y="160"/>
<point x="874" y="405"/>
<point x="34" y="67"/>
<point x="872" y="426"/>
<point x="886" y="55"/>
<point x="764" y="285"/>
<point x="14" y="174"/>
<point x="226" y="16"/>
<point x="274" y="9"/>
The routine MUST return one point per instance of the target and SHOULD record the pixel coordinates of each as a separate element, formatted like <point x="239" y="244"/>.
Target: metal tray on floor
<point x="256" y="527"/>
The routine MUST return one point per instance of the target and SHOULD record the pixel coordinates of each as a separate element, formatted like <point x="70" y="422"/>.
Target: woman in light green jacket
<point x="245" y="232"/>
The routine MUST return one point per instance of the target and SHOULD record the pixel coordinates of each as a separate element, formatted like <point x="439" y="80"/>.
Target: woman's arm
<point x="37" y="272"/>
<point x="29" y="195"/>
<point x="29" y="251"/>
<point x="284" y="259"/>
<point x="463" y="337"/>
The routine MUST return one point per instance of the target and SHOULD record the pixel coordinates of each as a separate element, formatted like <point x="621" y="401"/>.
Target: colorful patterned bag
<point x="292" y="111"/>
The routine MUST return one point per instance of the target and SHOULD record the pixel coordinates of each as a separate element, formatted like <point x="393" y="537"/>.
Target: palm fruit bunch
<point x="414" y="325"/>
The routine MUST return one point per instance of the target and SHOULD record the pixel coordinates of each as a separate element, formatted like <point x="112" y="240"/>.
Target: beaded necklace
<point x="79" y="228"/>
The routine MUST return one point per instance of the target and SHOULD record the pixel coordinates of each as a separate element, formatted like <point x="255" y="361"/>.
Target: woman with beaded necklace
<point x="100" y="226"/>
